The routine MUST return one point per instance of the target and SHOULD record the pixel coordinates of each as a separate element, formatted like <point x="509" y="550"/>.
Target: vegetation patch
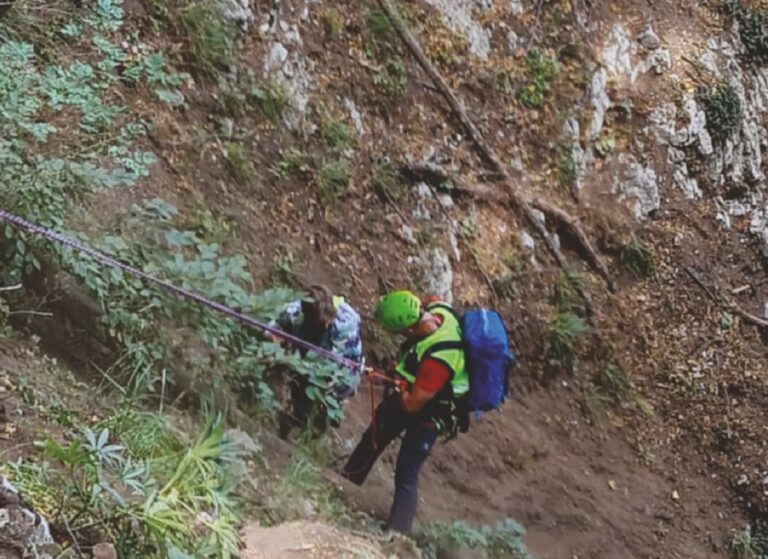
<point x="540" y="71"/>
<point x="208" y="42"/>
<point x="502" y="541"/>
<point x="637" y="258"/>
<point x="723" y="110"/>
<point x="332" y="181"/>
<point x="752" y="29"/>
<point x="567" y="327"/>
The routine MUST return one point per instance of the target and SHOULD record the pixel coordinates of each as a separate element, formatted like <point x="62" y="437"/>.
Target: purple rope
<point x="180" y="291"/>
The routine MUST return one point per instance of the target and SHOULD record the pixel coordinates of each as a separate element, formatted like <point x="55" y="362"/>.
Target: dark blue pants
<point x="420" y="435"/>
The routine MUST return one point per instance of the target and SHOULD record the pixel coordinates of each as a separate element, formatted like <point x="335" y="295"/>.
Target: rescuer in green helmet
<point x="432" y="385"/>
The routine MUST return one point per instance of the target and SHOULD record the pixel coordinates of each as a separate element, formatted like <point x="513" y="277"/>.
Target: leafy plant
<point x="147" y="504"/>
<point x="563" y="335"/>
<point x="636" y="257"/>
<point x="333" y="22"/>
<point x="566" y="167"/>
<point x="332" y="181"/>
<point x="284" y="269"/>
<point x="392" y="77"/>
<point x="380" y="28"/>
<point x="743" y="546"/>
<point x="292" y="162"/>
<point x="723" y="110"/>
<point x="208" y="44"/>
<point x="337" y="135"/>
<point x="566" y="290"/>
<point x="239" y="163"/>
<point x="273" y="99"/>
<point x="612" y="381"/>
<point x="540" y="70"/>
<point x="387" y="178"/>
<point x="505" y="540"/>
<point x="302" y="492"/>
<point x="751" y="28"/>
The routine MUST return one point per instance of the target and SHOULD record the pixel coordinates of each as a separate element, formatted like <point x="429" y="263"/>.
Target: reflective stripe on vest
<point x="445" y="345"/>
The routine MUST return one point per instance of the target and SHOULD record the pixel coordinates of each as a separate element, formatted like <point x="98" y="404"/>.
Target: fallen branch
<point x="520" y="201"/>
<point x="723" y="302"/>
<point x="10" y="287"/>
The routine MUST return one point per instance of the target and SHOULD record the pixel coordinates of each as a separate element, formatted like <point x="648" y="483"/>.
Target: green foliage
<point x="284" y="269"/>
<point x="747" y="544"/>
<point x="332" y="181"/>
<point x="387" y="178"/>
<point x="612" y="381"/>
<point x="566" y="328"/>
<point x="380" y="28"/>
<point x="301" y="492"/>
<point x="567" y="286"/>
<point x="272" y="98"/>
<point x="566" y="168"/>
<point x="147" y="500"/>
<point x="46" y="166"/>
<point x="291" y="163"/>
<point x="238" y="161"/>
<point x="636" y="257"/>
<point x="752" y="29"/>
<point x="337" y="135"/>
<point x="392" y="77"/>
<point x="208" y="44"/>
<point x="505" y="540"/>
<point x="723" y="110"/>
<point x="333" y="22"/>
<point x="540" y="71"/>
<point x="563" y="335"/>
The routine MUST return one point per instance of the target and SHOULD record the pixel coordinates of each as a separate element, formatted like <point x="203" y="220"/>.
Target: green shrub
<point x="563" y="335"/>
<point x="152" y="501"/>
<point x="392" y="77"/>
<point x="636" y="257"/>
<point x="337" y="135"/>
<point x="208" y="43"/>
<point x="540" y="70"/>
<point x="753" y="31"/>
<point x="723" y="110"/>
<point x="239" y="162"/>
<point x="273" y="99"/>
<point x="332" y="181"/>
<point x="504" y="540"/>
<point x="333" y="22"/>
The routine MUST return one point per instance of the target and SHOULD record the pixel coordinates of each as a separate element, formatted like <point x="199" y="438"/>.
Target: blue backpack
<point x="489" y="359"/>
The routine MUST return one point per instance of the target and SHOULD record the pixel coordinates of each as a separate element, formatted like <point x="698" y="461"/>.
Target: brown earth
<point x="587" y="479"/>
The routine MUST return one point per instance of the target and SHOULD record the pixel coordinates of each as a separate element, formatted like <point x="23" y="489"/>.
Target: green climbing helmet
<point x="398" y="310"/>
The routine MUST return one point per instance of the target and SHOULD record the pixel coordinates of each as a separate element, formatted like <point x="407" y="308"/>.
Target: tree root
<point x="520" y="201"/>
<point x="726" y="303"/>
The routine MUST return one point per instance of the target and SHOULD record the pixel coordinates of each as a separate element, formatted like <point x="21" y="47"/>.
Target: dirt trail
<point x="579" y="491"/>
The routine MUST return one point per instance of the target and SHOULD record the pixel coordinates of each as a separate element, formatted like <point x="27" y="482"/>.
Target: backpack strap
<point x="441" y="346"/>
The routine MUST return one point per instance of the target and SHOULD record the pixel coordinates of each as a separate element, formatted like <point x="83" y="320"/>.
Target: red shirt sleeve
<point x="432" y="375"/>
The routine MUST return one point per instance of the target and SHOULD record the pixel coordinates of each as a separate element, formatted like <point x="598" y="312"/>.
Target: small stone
<point x="104" y="551"/>
<point x="649" y="39"/>
<point x="675" y="496"/>
<point x="527" y="242"/>
<point x="227" y="126"/>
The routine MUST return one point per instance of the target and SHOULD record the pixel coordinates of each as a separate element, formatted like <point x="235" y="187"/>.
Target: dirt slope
<point x="607" y="482"/>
